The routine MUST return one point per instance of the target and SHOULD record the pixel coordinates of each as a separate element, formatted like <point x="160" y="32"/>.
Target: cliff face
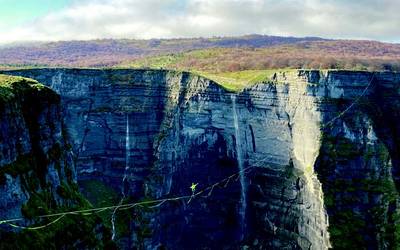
<point x="154" y="133"/>
<point x="31" y="142"/>
<point x="358" y="161"/>
<point x="37" y="172"/>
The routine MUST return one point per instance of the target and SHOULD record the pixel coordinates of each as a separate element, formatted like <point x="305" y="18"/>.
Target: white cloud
<point x="89" y="19"/>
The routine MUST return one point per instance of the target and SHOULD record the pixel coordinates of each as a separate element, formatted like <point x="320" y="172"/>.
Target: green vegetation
<point x="22" y="165"/>
<point x="7" y="86"/>
<point x="236" y="81"/>
<point x="237" y="68"/>
<point x="232" y="53"/>
<point x="339" y="147"/>
<point x="343" y="193"/>
<point x="345" y="232"/>
<point x="73" y="231"/>
<point x="221" y="65"/>
<point x="230" y="80"/>
<point x="13" y="86"/>
<point x="163" y="61"/>
<point x="347" y="227"/>
<point x="100" y="195"/>
<point x="29" y="99"/>
<point x="316" y="55"/>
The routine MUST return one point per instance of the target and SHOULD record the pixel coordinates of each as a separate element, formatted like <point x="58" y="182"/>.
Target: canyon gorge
<point x="315" y="157"/>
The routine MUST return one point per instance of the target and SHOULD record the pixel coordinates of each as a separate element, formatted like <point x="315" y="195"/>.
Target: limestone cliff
<point x="37" y="172"/>
<point x="319" y="176"/>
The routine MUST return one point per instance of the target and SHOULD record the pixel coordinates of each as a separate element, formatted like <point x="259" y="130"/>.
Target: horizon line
<point x="27" y="42"/>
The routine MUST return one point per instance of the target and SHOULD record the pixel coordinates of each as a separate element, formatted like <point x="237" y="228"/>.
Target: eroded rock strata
<point x="318" y="178"/>
<point x="37" y="173"/>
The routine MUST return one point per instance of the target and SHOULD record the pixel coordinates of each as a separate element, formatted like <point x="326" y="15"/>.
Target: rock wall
<point x="310" y="162"/>
<point x="358" y="163"/>
<point x="31" y="132"/>
<point x="37" y="171"/>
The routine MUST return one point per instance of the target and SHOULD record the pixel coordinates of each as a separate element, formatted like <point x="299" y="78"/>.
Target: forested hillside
<point x="219" y="54"/>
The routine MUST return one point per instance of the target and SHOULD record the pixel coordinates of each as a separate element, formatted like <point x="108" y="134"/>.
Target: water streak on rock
<point x="239" y="156"/>
<point x="123" y="191"/>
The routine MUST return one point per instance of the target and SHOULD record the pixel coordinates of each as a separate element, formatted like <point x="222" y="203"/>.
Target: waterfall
<point x="239" y="156"/>
<point x="123" y="195"/>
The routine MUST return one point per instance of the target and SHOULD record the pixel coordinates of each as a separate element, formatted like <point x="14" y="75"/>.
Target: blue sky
<point x="45" y="20"/>
<point x="19" y="12"/>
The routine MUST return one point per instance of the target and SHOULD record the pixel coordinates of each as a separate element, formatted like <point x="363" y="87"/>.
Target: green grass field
<point x="236" y="81"/>
<point x="230" y="80"/>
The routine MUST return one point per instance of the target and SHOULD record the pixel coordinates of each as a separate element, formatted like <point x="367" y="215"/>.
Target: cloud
<point x="90" y="19"/>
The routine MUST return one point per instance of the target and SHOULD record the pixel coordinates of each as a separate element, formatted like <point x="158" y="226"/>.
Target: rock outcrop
<point x="37" y="171"/>
<point x="321" y="149"/>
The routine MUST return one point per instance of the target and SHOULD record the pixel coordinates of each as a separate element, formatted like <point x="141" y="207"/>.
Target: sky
<point x="52" y="20"/>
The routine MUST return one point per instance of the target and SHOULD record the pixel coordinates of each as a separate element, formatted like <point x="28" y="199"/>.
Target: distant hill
<point x="218" y="54"/>
<point x="338" y="54"/>
<point x="108" y="52"/>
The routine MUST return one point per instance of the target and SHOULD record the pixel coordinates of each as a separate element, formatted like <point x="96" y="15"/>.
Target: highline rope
<point x="151" y="203"/>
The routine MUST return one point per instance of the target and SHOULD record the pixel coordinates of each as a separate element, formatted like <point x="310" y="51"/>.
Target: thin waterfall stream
<point x="123" y="195"/>
<point x="239" y="156"/>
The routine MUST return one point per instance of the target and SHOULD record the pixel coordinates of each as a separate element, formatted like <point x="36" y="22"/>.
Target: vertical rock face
<point x="32" y="144"/>
<point x="316" y="147"/>
<point x="37" y="172"/>
<point x="358" y="160"/>
<point x="286" y="197"/>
